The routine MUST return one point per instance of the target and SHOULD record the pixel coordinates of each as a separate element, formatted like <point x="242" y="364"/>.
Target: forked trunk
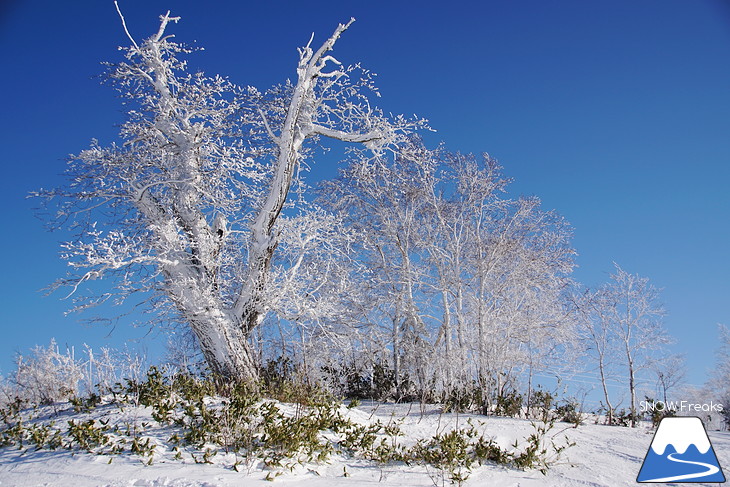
<point x="226" y="349"/>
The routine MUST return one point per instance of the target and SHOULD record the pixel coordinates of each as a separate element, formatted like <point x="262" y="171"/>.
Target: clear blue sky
<point x="615" y="113"/>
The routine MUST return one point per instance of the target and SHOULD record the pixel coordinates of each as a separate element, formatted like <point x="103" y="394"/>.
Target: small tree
<point x="670" y="373"/>
<point x="599" y="342"/>
<point x="631" y="306"/>
<point x="187" y="210"/>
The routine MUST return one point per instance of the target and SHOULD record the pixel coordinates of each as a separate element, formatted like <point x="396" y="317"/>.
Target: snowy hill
<point x="602" y="456"/>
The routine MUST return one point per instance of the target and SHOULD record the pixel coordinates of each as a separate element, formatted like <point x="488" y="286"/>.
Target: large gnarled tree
<point x="185" y="210"/>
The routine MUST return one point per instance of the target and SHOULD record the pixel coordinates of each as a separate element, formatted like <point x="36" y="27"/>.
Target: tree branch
<point x="164" y="20"/>
<point x="345" y="136"/>
<point x="274" y="138"/>
<point x="124" y="24"/>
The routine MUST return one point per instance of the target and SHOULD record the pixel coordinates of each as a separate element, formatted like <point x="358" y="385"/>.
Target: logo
<point x="682" y="406"/>
<point x="681" y="452"/>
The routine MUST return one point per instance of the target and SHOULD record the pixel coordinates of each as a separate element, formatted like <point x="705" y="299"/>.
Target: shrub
<point x="13" y="430"/>
<point x="87" y="435"/>
<point x="383" y="381"/>
<point x="277" y="371"/>
<point x="569" y="412"/>
<point x="45" y="436"/>
<point x="241" y="422"/>
<point x="541" y="403"/>
<point x="46" y="376"/>
<point x="153" y="390"/>
<point x="360" y="439"/>
<point x="378" y="381"/>
<point x="461" y="400"/>
<point x="456" y="452"/>
<point x="509" y="404"/>
<point x="538" y="453"/>
<point x="452" y="453"/>
<point x="85" y="404"/>
<point x="622" y="418"/>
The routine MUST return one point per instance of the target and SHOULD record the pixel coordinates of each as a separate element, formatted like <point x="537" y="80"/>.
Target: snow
<point x="603" y="456"/>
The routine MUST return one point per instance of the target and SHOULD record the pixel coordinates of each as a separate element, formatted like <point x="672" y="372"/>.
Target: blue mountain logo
<point x="681" y="452"/>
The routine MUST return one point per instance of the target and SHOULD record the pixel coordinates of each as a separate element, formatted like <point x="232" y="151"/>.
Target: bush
<point x="452" y="453"/>
<point x="538" y="454"/>
<point x="569" y="412"/>
<point x="85" y="404"/>
<point x="46" y="376"/>
<point x="383" y="381"/>
<point x="462" y="400"/>
<point x="378" y="382"/>
<point x="622" y="418"/>
<point x="541" y="402"/>
<point x="87" y="435"/>
<point x="509" y="404"/>
<point x="277" y="372"/>
<point x="242" y="422"/>
<point x="13" y="430"/>
<point x="456" y="452"/>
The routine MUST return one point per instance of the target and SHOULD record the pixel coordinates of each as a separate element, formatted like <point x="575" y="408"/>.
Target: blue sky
<point x="616" y="114"/>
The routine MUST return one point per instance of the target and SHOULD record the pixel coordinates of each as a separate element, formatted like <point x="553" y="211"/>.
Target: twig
<point x="124" y="24"/>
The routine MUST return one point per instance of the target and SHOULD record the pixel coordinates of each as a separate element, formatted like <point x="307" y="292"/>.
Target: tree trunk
<point x="447" y="340"/>
<point x="609" y="406"/>
<point x="225" y="347"/>
<point x="632" y="387"/>
<point x="396" y="358"/>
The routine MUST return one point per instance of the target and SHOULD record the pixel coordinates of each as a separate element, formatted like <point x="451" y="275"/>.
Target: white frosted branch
<point x="331" y="74"/>
<point x="330" y="58"/>
<point x="268" y="128"/>
<point x="164" y="20"/>
<point x="345" y="136"/>
<point x="85" y="277"/>
<point x="124" y="24"/>
<point x="140" y="192"/>
<point x="319" y="58"/>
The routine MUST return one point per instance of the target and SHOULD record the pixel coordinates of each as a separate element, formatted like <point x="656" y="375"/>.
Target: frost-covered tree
<point x="188" y="210"/>
<point x="463" y="283"/>
<point x="630" y="306"/>
<point x="670" y="373"/>
<point x="381" y="201"/>
<point x="599" y="342"/>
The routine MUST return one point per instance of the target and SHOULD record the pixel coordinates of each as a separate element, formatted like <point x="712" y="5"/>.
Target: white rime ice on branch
<point x="186" y="212"/>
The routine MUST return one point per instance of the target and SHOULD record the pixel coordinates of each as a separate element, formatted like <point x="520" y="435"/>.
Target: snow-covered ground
<point x="602" y="456"/>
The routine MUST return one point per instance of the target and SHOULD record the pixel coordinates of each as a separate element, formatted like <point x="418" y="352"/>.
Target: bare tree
<point x="382" y="201"/>
<point x="599" y="341"/>
<point x="631" y="306"/>
<point x="187" y="211"/>
<point x="466" y="282"/>
<point x="670" y="372"/>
